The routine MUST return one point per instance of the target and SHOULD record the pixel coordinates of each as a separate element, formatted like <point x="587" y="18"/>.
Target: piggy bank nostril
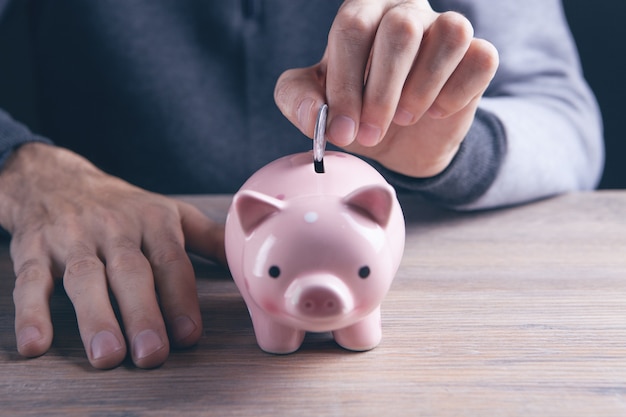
<point x="319" y="304"/>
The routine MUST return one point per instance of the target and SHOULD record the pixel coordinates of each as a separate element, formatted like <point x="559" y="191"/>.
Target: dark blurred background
<point x="598" y="27"/>
<point x="600" y="32"/>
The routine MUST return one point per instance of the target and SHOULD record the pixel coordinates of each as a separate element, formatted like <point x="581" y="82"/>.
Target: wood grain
<point x="514" y="312"/>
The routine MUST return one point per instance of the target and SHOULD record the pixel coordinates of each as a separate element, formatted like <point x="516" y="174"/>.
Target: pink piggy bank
<point x="315" y="251"/>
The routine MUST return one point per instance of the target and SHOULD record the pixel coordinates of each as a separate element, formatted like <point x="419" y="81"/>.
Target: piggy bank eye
<point x="364" y="271"/>
<point x="274" y="271"/>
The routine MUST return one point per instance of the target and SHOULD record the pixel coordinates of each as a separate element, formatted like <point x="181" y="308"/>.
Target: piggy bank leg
<point x="274" y="337"/>
<point x="363" y="335"/>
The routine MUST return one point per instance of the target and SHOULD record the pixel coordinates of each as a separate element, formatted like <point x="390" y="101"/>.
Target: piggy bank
<point x="313" y="251"/>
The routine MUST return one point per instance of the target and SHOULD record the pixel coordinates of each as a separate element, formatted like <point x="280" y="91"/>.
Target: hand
<point x="68" y="219"/>
<point x="402" y="84"/>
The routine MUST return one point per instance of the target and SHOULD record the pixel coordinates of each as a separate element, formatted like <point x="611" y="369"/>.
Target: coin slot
<point x="319" y="166"/>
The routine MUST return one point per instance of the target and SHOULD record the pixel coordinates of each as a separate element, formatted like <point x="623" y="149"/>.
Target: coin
<point x="319" y="139"/>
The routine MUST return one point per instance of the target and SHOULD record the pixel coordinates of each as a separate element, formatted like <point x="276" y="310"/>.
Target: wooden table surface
<point x="519" y="311"/>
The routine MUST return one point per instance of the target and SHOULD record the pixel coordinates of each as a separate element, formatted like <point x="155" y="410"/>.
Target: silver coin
<point x="319" y="139"/>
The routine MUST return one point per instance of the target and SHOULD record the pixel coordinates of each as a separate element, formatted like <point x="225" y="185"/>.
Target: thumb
<point x="299" y="94"/>
<point x="203" y="236"/>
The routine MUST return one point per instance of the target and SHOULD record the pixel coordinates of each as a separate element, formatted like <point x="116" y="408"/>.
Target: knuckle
<point x="281" y="90"/>
<point x="346" y="93"/>
<point x="128" y="261"/>
<point x="80" y="272"/>
<point x="456" y="28"/>
<point x="290" y="89"/>
<point x="417" y="101"/>
<point x="402" y="29"/>
<point x="78" y="266"/>
<point x="163" y="216"/>
<point x="378" y="100"/>
<point x="447" y="105"/>
<point x="485" y="56"/>
<point x="30" y="273"/>
<point x="168" y="254"/>
<point x="379" y="104"/>
<point x="24" y="243"/>
<point x="116" y="222"/>
<point x="351" y="25"/>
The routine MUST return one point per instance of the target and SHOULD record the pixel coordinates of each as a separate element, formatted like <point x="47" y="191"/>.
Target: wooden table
<point x="520" y="311"/>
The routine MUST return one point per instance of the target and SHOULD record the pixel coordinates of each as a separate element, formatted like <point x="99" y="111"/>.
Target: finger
<point x="442" y="49"/>
<point x="175" y="282"/>
<point x="350" y="41"/>
<point x="132" y="283"/>
<point x="202" y="236"/>
<point x="395" y="47"/>
<point x="299" y="94"/>
<point x="85" y="283"/>
<point x="31" y="295"/>
<point x="470" y="79"/>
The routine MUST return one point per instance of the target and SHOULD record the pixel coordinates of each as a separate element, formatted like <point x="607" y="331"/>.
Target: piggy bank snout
<point x="319" y="297"/>
<point x="320" y="302"/>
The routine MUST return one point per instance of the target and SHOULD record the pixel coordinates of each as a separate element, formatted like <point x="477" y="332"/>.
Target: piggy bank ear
<point x="373" y="201"/>
<point x="254" y="208"/>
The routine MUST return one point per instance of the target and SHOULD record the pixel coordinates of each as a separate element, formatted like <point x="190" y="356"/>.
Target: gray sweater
<point x="176" y="96"/>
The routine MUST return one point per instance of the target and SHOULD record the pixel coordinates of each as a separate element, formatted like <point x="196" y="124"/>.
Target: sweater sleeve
<point x="12" y="135"/>
<point x="550" y="117"/>
<point x="538" y="130"/>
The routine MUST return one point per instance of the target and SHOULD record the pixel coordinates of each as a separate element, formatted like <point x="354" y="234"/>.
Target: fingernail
<point x="104" y="343"/>
<point x="182" y="327"/>
<point x="304" y="111"/>
<point x="403" y="117"/>
<point x="146" y="343"/>
<point x="28" y="335"/>
<point x="369" y="135"/>
<point x="341" y="130"/>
